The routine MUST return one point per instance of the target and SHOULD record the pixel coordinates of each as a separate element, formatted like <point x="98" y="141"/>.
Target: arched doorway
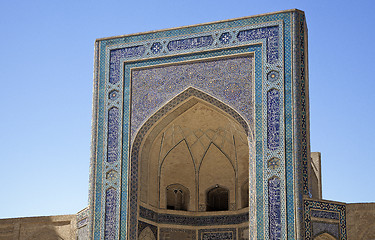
<point x="218" y="199"/>
<point x="187" y="149"/>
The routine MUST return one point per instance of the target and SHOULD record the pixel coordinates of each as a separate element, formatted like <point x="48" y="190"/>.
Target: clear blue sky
<point x="46" y="69"/>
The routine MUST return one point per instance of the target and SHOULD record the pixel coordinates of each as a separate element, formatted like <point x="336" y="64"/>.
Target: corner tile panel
<point x="315" y="207"/>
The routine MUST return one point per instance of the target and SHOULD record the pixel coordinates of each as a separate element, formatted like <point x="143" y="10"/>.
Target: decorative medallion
<point x="273" y="76"/>
<point x="111" y="175"/>
<point x="156" y="47"/>
<point x="273" y="163"/>
<point x="225" y="38"/>
<point x="113" y="95"/>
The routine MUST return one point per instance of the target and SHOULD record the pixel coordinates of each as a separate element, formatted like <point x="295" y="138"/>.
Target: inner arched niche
<point x="196" y="145"/>
<point x="325" y="236"/>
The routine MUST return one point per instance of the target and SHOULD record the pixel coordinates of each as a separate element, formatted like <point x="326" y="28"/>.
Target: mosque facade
<point x="202" y="132"/>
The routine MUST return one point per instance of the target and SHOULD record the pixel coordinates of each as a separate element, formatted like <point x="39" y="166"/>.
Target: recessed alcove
<point x="194" y="162"/>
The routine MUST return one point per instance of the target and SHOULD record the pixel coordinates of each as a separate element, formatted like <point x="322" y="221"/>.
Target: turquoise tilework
<point x="119" y="80"/>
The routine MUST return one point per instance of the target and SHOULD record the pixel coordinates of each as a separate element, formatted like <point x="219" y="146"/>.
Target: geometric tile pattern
<point x="264" y="42"/>
<point x="273" y="163"/>
<point x="302" y="99"/>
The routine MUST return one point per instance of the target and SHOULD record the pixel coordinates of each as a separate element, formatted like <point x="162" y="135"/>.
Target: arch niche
<point x="194" y="142"/>
<point x="324" y="236"/>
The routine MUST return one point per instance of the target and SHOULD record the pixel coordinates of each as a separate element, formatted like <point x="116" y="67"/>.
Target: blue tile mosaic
<point x="273" y="119"/>
<point x="82" y="223"/>
<point x="113" y="134"/>
<point x="189" y="43"/>
<point x="225" y="38"/>
<point x="228" y="79"/>
<point x="274" y="205"/>
<point x="273" y="163"/>
<point x="273" y="76"/>
<point x="156" y="47"/>
<point x="113" y="95"/>
<point x="116" y="56"/>
<point x="272" y="36"/>
<point x="110" y="214"/>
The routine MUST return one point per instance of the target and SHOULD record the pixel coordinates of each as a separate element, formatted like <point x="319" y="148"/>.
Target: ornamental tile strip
<point x="217" y="234"/>
<point x="303" y="103"/>
<point x="113" y="132"/>
<point x="110" y="214"/>
<point x="273" y="119"/>
<point x="192" y="220"/>
<point x="189" y="43"/>
<point x="274" y="205"/>
<point x="187" y="234"/>
<point x="325" y="214"/>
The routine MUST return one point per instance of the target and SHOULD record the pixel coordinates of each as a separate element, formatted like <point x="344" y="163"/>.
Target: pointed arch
<point x="177" y="197"/>
<point x="324" y="236"/>
<point x="140" y="150"/>
<point x="217" y="198"/>
<point x="147" y="234"/>
<point x="176" y="172"/>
